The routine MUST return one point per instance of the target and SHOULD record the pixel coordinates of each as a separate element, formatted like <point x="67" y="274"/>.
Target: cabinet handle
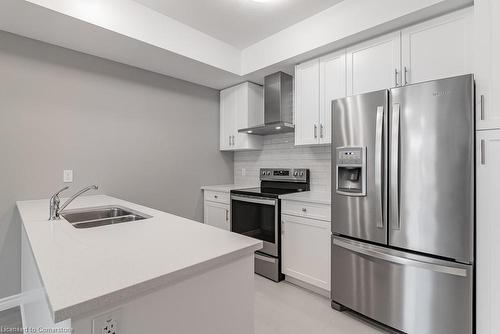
<point x="482" y="107"/>
<point x="315" y="131"/>
<point x="321" y="131"/>
<point x="229" y="140"/>
<point x="304" y="209"/>
<point x="405" y="75"/>
<point x="227" y="215"/>
<point x="396" y="77"/>
<point x="233" y="140"/>
<point x="483" y="153"/>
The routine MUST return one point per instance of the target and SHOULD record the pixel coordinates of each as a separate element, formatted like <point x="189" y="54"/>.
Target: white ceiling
<point x="239" y="22"/>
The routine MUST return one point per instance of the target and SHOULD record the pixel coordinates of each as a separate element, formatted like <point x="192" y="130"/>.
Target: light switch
<point x="68" y="175"/>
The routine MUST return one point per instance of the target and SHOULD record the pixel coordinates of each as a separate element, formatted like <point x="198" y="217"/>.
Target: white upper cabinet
<point x="317" y="83"/>
<point x="439" y="48"/>
<point x="374" y="65"/>
<point x="332" y="86"/>
<point x="241" y="106"/>
<point x="227" y="117"/>
<point x="487" y="63"/>
<point x="306" y="106"/>
<point x="435" y="49"/>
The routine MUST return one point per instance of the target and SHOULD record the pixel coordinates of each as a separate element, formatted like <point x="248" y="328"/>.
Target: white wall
<point x="141" y="136"/>
<point x="279" y="151"/>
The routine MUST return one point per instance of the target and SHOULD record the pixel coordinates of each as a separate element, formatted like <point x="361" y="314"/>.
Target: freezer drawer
<point x="411" y="293"/>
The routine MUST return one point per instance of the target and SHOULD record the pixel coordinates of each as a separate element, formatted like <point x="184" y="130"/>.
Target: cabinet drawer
<point x="217" y="196"/>
<point x="306" y="209"/>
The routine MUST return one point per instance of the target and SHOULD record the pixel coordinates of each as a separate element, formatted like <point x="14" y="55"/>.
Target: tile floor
<point x="10" y="321"/>
<point x="283" y="308"/>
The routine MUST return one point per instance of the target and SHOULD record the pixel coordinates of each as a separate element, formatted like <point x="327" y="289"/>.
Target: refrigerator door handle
<point x="395" y="196"/>
<point x="381" y="255"/>
<point x="378" y="165"/>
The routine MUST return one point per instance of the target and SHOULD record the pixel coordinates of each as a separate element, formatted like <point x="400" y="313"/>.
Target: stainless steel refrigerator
<point x="403" y="206"/>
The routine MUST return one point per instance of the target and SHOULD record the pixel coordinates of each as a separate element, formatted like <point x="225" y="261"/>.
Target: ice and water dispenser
<point x="351" y="171"/>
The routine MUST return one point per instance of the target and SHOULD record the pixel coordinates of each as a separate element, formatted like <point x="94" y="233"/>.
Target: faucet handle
<point x="60" y="191"/>
<point x="54" y="204"/>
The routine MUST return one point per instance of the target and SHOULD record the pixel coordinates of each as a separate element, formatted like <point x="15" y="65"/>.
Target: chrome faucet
<point x="55" y="210"/>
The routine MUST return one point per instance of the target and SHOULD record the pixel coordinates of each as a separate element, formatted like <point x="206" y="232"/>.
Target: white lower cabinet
<point x="306" y="250"/>
<point x="217" y="210"/>
<point x="488" y="230"/>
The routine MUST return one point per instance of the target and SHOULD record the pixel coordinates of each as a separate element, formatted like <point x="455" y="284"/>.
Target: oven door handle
<point x="254" y="200"/>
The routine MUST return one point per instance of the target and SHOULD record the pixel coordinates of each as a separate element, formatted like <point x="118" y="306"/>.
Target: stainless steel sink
<point x="102" y="215"/>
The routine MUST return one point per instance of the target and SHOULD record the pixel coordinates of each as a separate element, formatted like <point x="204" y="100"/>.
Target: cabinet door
<point x="307" y="103"/>
<point x="332" y="83"/>
<point x="227" y="118"/>
<point x="306" y="250"/>
<point x="487" y="63"/>
<point x="374" y="65"/>
<point x="239" y="105"/>
<point x="488" y="230"/>
<point x="240" y="140"/>
<point x="438" y="48"/>
<point x="218" y="215"/>
<point x="249" y="99"/>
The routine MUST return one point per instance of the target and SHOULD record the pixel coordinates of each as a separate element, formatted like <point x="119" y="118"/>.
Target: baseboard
<point x="308" y="286"/>
<point x="10" y="302"/>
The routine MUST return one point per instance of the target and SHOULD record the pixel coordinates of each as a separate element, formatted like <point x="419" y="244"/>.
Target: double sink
<point x="102" y="215"/>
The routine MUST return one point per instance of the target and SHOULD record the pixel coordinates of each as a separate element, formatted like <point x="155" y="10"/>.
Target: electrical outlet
<point x="108" y="323"/>
<point x="67" y="175"/>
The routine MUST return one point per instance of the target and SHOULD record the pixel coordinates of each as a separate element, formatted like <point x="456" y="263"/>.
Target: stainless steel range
<point x="256" y="212"/>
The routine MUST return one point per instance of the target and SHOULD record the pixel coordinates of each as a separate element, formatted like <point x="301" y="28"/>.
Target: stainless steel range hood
<point x="278" y="106"/>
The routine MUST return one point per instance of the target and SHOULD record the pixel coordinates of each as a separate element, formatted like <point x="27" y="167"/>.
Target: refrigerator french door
<point x="403" y="206"/>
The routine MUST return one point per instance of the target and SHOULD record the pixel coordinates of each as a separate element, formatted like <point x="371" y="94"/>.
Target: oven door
<point x="256" y="217"/>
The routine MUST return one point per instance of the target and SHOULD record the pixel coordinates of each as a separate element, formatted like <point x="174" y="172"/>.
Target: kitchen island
<point x="164" y="274"/>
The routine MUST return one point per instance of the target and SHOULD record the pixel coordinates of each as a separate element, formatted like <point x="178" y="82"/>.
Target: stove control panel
<point x="284" y="174"/>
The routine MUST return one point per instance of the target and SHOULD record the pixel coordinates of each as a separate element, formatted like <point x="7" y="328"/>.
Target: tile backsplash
<point x="279" y="152"/>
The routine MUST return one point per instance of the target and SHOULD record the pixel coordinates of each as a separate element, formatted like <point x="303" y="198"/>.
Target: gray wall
<point x="143" y="137"/>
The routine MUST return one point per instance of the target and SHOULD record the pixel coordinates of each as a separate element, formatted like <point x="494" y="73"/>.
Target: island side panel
<point x="35" y="309"/>
<point x="217" y="301"/>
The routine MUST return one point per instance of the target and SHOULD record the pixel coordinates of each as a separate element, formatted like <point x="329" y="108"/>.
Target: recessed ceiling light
<point x="278" y="127"/>
<point x="249" y="131"/>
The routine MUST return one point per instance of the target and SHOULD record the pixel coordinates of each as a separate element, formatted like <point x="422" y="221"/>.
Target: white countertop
<point x="321" y="197"/>
<point x="227" y="187"/>
<point x="85" y="269"/>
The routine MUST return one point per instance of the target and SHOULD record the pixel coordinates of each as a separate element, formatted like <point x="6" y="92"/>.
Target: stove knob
<point x="268" y="173"/>
<point x="263" y="172"/>
<point x="301" y="173"/>
<point x="295" y="174"/>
